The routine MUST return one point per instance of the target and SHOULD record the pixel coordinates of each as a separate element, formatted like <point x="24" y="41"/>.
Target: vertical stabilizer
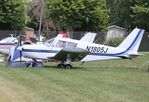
<point x="132" y="41"/>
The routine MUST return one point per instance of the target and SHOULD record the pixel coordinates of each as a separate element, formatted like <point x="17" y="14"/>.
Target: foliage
<point x="34" y="14"/>
<point x="129" y="13"/>
<point x="78" y="14"/>
<point x="12" y="14"/>
<point x="120" y="13"/>
<point x="114" y="41"/>
<point x="33" y="22"/>
<point x="141" y="14"/>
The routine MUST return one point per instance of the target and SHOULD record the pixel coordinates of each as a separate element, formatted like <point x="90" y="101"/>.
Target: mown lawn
<point x="100" y="81"/>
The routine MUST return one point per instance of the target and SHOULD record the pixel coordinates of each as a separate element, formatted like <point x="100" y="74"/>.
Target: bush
<point x="114" y="41"/>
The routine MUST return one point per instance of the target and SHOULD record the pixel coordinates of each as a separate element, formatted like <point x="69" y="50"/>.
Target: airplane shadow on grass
<point x="55" y="67"/>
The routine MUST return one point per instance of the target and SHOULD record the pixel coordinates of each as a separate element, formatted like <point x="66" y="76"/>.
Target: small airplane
<point x="67" y="50"/>
<point x="7" y="43"/>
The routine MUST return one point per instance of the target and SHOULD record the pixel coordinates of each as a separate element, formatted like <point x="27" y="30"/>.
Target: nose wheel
<point x="68" y="66"/>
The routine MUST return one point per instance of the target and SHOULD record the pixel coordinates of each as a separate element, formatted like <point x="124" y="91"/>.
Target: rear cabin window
<point x="71" y="45"/>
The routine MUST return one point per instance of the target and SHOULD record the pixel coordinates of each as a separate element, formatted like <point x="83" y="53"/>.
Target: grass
<point x="100" y="81"/>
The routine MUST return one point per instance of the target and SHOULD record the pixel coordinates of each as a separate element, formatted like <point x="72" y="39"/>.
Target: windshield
<point x="49" y="42"/>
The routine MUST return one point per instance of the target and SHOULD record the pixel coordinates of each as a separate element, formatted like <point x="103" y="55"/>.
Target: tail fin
<point x="88" y="37"/>
<point x="132" y="41"/>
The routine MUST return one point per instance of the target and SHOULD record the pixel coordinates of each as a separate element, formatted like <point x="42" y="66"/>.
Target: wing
<point x="75" y="53"/>
<point x="89" y="37"/>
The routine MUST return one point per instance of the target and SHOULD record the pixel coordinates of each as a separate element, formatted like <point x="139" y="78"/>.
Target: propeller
<point x="20" y="44"/>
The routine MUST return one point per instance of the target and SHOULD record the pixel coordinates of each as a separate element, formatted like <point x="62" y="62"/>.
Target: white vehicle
<point x="67" y="50"/>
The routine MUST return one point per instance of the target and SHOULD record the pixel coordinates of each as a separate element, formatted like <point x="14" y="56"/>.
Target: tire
<point x="68" y="66"/>
<point x="34" y="64"/>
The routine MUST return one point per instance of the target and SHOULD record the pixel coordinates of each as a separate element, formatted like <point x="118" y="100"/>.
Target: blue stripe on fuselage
<point x="41" y="51"/>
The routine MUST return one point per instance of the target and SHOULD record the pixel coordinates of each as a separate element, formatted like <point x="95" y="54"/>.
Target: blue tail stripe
<point x="118" y="54"/>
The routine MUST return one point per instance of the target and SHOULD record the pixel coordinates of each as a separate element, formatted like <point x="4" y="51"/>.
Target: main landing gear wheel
<point x="68" y="66"/>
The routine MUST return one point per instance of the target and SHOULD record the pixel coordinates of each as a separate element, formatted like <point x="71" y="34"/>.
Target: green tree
<point x="141" y="14"/>
<point x="12" y="14"/>
<point x="120" y="12"/>
<point x="33" y="22"/>
<point x="33" y="13"/>
<point x="72" y="15"/>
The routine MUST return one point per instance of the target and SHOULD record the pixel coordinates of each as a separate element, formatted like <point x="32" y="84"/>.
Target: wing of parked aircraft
<point x="75" y="53"/>
<point x="88" y="37"/>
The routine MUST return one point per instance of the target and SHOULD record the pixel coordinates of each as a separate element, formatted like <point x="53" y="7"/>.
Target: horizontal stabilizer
<point x="135" y="55"/>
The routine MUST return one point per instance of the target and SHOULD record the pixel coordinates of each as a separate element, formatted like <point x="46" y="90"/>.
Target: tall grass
<point x="100" y="81"/>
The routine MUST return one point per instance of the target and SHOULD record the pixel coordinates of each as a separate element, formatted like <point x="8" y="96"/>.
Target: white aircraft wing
<point x="75" y="53"/>
<point x="88" y="37"/>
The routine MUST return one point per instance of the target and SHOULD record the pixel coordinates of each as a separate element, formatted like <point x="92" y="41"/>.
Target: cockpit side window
<point x="61" y="43"/>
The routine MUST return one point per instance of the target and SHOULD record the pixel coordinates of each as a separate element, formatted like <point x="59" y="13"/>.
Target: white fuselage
<point x="39" y="51"/>
<point x="43" y="51"/>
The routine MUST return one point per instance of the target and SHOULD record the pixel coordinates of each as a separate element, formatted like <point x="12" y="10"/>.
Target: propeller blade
<point x="20" y="44"/>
